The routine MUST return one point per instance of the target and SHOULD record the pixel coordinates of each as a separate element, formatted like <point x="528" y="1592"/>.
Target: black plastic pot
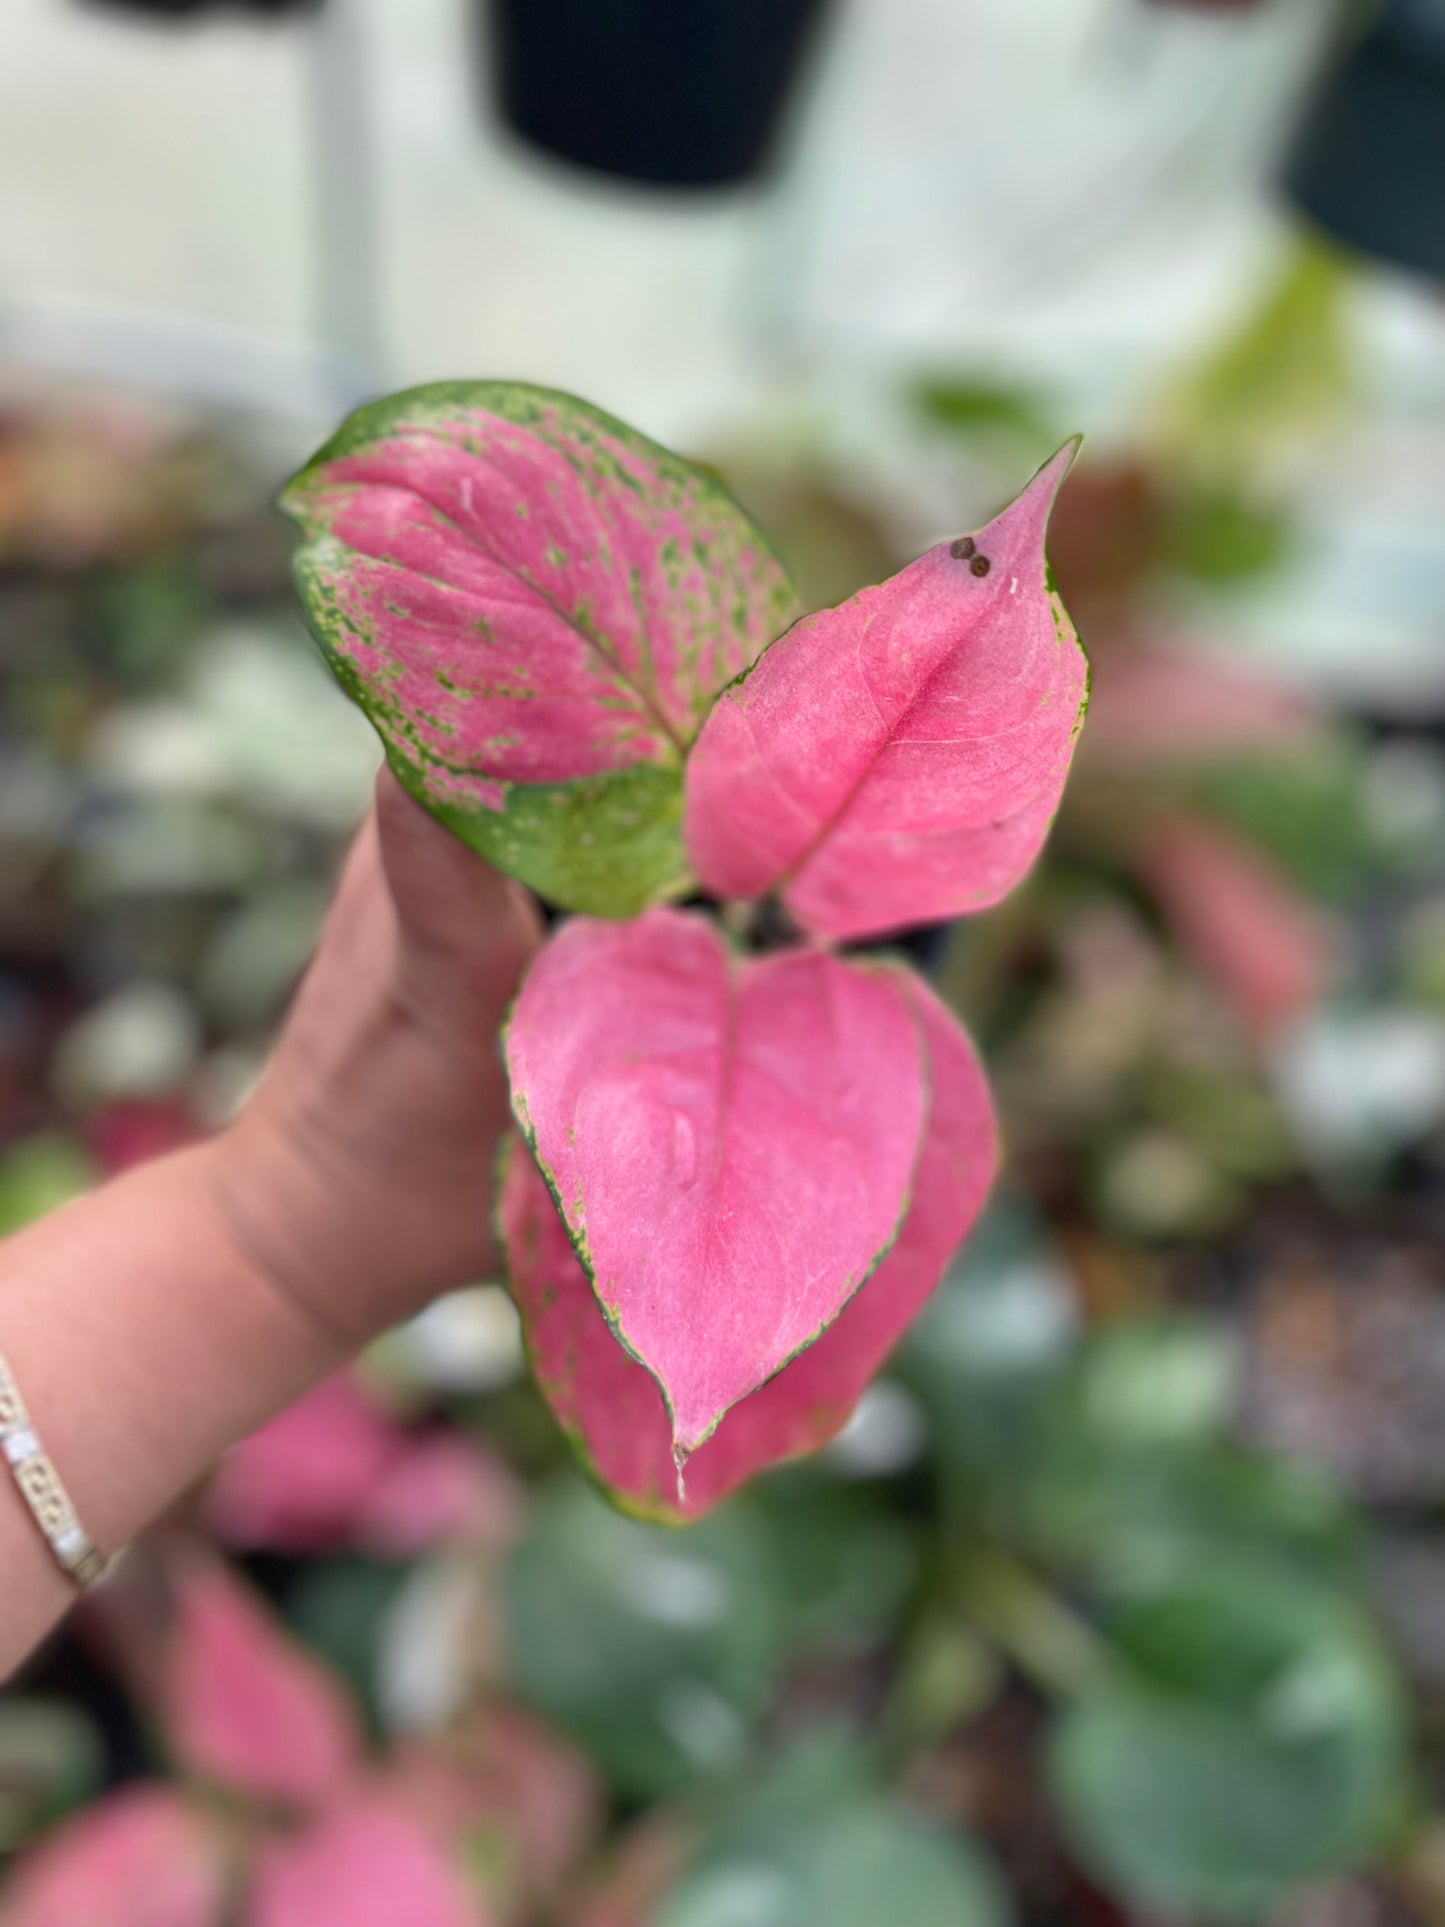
<point x="1368" y="164"/>
<point x="681" y="93"/>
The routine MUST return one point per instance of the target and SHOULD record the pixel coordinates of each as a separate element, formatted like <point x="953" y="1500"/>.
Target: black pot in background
<point x="1369" y="162"/>
<point x="681" y="93"/>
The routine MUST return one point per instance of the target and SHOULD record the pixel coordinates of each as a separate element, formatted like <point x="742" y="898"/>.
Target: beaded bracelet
<point x="41" y="1488"/>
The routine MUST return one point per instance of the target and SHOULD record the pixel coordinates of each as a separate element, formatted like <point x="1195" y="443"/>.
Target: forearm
<point x="145" y="1340"/>
<point x="156" y="1322"/>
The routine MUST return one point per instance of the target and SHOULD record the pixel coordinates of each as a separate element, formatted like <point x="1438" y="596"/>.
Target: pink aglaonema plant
<point x="279" y="1813"/>
<point x="739" y="1175"/>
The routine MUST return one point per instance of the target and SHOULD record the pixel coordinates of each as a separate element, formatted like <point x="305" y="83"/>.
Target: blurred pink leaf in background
<point x="506" y="1792"/>
<point x="1155" y="702"/>
<point x="367" y="1863"/>
<point x="298" y="1484"/>
<point x="141" y="1857"/>
<point x="445" y="1488"/>
<point x="243" y="1704"/>
<point x="1267" y="948"/>
<point x="335" y="1470"/>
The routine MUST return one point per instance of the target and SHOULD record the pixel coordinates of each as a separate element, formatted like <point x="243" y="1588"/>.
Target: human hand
<point x="358" y="1178"/>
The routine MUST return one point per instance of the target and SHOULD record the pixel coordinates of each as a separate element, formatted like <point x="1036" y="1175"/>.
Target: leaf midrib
<point x="647" y="697"/>
<point x="793" y="870"/>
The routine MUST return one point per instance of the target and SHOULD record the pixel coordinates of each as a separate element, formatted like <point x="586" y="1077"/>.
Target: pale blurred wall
<point x="160" y="200"/>
<point x="964" y="174"/>
<point x="148" y="176"/>
<point x="1074" y="192"/>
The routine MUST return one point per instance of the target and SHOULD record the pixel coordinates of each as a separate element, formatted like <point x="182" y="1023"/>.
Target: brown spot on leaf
<point x="980" y="565"/>
<point x="962" y="549"/>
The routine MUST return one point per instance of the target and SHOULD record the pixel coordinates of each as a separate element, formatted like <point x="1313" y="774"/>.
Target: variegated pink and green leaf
<point x="610" y="1407"/>
<point x="536" y="606"/>
<point x="731" y="1141"/>
<point x="899" y="759"/>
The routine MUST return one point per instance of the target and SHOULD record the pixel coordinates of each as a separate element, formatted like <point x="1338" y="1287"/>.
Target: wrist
<point x="297" y="1219"/>
<point x="231" y="1183"/>
<point x="146" y="1340"/>
<point x="346" y="1222"/>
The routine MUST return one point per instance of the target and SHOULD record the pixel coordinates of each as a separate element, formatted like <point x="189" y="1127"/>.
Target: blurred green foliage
<point x="1217" y="534"/>
<point x="51" y="1761"/>
<point x="814" y="1840"/>
<point x="1305" y="807"/>
<point x="1247" y="1739"/>
<point x="39" y="1174"/>
<point x="1283" y="373"/>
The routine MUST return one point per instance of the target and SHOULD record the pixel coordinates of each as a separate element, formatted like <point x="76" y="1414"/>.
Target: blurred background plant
<point x="1121" y="1599"/>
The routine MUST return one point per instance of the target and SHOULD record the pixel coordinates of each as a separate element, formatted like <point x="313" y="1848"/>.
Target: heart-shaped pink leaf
<point x="899" y="759"/>
<point x="608" y="1405"/>
<point x="731" y="1142"/>
<point x="139" y="1858"/>
<point x="367" y="1864"/>
<point x="246" y="1707"/>
<point x="535" y="605"/>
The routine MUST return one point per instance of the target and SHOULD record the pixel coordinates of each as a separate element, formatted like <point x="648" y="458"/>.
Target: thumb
<point x="464" y="928"/>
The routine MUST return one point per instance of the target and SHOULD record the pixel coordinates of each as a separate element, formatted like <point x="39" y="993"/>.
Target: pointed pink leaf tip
<point x="535" y="605"/>
<point x="899" y="759"/>
<point x="139" y="1858"/>
<point x="609" y="1406"/>
<point x="244" y="1705"/>
<point x="731" y="1142"/>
